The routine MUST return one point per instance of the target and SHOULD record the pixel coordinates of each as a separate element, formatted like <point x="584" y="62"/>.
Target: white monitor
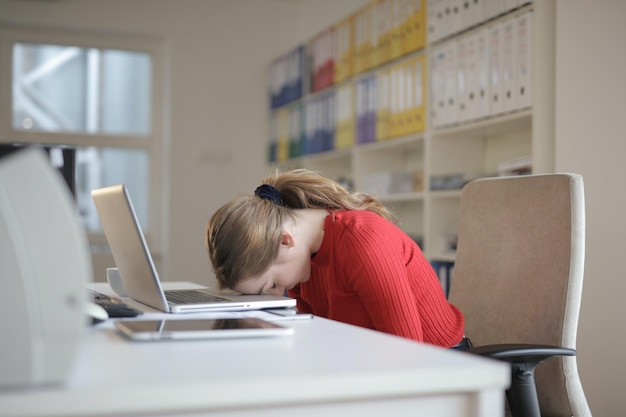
<point x="44" y="266"/>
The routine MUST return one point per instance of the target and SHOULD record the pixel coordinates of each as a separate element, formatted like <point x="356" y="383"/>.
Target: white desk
<point x="325" y="369"/>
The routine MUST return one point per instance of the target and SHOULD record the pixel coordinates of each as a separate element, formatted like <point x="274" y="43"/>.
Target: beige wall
<point x="217" y="56"/>
<point x="591" y="140"/>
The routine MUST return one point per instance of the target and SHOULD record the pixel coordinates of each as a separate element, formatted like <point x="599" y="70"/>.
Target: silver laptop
<point x="137" y="271"/>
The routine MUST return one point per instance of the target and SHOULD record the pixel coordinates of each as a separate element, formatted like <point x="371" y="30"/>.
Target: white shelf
<point x="488" y="127"/>
<point x="396" y="144"/>
<point x="473" y="148"/>
<point x="322" y="157"/>
<point x="402" y="197"/>
<point x="445" y="194"/>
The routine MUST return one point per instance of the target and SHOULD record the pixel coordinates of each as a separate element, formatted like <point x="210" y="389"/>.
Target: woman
<point x="339" y="254"/>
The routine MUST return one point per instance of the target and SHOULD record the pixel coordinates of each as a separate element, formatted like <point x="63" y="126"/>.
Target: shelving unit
<point x="462" y="150"/>
<point x="473" y="149"/>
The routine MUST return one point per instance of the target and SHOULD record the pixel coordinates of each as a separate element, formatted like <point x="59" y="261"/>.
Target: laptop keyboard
<point x="193" y="297"/>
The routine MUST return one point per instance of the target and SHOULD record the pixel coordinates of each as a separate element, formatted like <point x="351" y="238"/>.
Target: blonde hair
<point x="244" y="235"/>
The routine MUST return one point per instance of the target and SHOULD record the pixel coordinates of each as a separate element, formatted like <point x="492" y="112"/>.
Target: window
<point x="59" y="88"/>
<point x="99" y="95"/>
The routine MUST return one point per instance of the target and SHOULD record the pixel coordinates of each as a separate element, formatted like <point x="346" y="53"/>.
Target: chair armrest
<point x="523" y="359"/>
<point x="521" y="353"/>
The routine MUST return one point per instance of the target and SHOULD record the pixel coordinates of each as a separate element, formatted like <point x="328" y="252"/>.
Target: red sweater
<point x="369" y="273"/>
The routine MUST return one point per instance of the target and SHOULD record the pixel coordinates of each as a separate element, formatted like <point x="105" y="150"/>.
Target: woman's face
<point x="290" y="268"/>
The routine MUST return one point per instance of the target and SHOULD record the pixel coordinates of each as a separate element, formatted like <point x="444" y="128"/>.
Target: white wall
<point x="591" y="140"/>
<point x="218" y="56"/>
<point x="218" y="53"/>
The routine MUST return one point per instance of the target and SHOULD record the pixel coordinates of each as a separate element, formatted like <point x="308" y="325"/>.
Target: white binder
<point x="455" y="19"/>
<point x="437" y="21"/>
<point x="496" y="101"/>
<point x="524" y="43"/>
<point x="471" y="69"/>
<point x="451" y="74"/>
<point x="437" y="85"/>
<point x="482" y="90"/>
<point x="475" y="12"/>
<point x="509" y="5"/>
<point x="463" y="79"/>
<point x="492" y="8"/>
<point x="509" y="64"/>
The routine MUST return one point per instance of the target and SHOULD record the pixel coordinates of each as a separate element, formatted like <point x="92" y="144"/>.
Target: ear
<point x="287" y="240"/>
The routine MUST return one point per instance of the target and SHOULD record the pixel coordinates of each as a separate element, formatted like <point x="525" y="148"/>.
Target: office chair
<point x="518" y="280"/>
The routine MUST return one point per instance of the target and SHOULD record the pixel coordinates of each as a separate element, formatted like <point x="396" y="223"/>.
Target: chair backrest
<point x="519" y="272"/>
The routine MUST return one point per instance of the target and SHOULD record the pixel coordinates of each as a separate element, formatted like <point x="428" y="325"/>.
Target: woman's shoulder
<point x="355" y="215"/>
<point x="356" y="219"/>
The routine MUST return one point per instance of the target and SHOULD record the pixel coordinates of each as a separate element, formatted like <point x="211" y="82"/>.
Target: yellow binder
<point x="383" y="106"/>
<point x="416" y="99"/>
<point x="344" y="38"/>
<point x="282" y="134"/>
<point x="415" y="26"/>
<point x="344" y="128"/>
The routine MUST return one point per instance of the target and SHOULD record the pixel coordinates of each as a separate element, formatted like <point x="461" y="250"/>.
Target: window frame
<point x="154" y="142"/>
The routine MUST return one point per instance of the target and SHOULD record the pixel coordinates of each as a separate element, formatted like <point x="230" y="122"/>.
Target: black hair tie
<point x="268" y="192"/>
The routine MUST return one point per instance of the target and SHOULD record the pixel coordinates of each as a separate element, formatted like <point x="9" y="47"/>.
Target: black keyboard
<point x="193" y="297"/>
<point x="114" y="306"/>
